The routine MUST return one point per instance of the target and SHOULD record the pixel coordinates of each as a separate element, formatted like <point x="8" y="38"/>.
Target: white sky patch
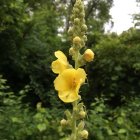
<point x="122" y="15"/>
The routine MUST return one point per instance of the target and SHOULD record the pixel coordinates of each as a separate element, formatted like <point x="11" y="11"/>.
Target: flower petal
<point x="68" y="75"/>
<point x="60" y="55"/>
<point x="68" y="96"/>
<point x="58" y="66"/>
<point x="60" y="83"/>
<point x="80" y="75"/>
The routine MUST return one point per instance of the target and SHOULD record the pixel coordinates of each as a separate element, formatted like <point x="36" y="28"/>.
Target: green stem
<point x="76" y="59"/>
<point x="75" y="103"/>
<point x="74" y="126"/>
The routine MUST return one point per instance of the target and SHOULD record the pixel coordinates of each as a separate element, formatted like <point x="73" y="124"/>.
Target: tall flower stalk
<point x="70" y="79"/>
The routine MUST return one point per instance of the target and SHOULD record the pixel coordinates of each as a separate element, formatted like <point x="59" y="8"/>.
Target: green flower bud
<point x="82" y="114"/>
<point x="84" y="134"/>
<point x="82" y="15"/>
<point x="77" y="40"/>
<point x="84" y="27"/>
<point x="64" y="122"/>
<point x="84" y="37"/>
<point x="71" y="51"/>
<point x="76" y="21"/>
<point x="76" y="11"/>
<point x="81" y="125"/>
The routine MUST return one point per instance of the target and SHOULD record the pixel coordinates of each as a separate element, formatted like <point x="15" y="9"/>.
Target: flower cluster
<point x="77" y="35"/>
<point x="69" y="79"/>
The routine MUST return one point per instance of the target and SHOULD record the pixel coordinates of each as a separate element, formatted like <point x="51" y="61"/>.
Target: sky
<point x="122" y="15"/>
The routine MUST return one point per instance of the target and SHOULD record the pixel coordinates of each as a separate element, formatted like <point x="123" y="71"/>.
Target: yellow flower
<point x="68" y="83"/>
<point x="61" y="63"/>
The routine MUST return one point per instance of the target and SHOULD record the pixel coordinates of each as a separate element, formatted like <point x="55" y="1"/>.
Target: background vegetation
<point x="30" y="32"/>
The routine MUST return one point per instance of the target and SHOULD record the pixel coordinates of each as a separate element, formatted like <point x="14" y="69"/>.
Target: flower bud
<point x="85" y="37"/>
<point x="76" y="21"/>
<point x="84" y="134"/>
<point x="81" y="125"/>
<point x="88" y="55"/>
<point x="84" y="27"/>
<point x="76" y="10"/>
<point x="77" y="40"/>
<point x="82" y="15"/>
<point x="71" y="51"/>
<point x="63" y="122"/>
<point x="82" y="114"/>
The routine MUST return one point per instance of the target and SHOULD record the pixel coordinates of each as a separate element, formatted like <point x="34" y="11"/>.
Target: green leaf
<point x="121" y="131"/>
<point x="99" y="109"/>
<point x="120" y="120"/>
<point x="41" y="127"/>
<point x="15" y="120"/>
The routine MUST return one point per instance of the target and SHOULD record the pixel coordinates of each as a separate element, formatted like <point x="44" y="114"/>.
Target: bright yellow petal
<point x="58" y="66"/>
<point x="60" y="55"/>
<point x="68" y="96"/>
<point x="60" y="83"/>
<point x="80" y="75"/>
<point x="64" y="80"/>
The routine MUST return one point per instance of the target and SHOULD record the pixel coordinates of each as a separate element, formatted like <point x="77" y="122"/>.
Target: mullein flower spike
<point x="71" y="78"/>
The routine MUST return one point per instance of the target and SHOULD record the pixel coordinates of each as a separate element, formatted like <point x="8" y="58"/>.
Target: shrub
<point x="122" y="123"/>
<point x="115" y="71"/>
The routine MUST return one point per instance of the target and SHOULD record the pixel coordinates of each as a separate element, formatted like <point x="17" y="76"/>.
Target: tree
<point x="136" y="17"/>
<point x="30" y="33"/>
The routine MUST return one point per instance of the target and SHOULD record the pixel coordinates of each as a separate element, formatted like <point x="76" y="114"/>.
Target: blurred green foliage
<point x="33" y="32"/>
<point x="115" y="71"/>
<point x="120" y="123"/>
<point x="21" y="122"/>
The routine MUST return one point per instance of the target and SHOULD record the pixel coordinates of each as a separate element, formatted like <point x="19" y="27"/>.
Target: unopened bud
<point x="81" y="125"/>
<point x="85" y="38"/>
<point x="88" y="55"/>
<point x="82" y="114"/>
<point x="76" y="21"/>
<point x="76" y="10"/>
<point x="63" y="122"/>
<point x="84" y="27"/>
<point x="71" y="51"/>
<point x="82" y="15"/>
<point x="84" y="134"/>
<point x="77" y="40"/>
